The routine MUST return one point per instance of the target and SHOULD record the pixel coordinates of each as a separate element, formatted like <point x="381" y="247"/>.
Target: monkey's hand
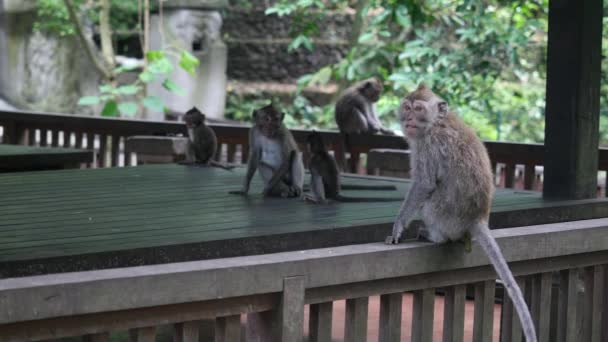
<point x="397" y="230"/>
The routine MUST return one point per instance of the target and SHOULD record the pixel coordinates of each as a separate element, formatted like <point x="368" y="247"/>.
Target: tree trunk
<point x="106" y="35"/>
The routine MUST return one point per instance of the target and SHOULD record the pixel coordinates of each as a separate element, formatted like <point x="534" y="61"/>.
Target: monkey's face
<point x="372" y="89"/>
<point x="315" y="143"/>
<point x="194" y="118"/>
<point x="416" y="117"/>
<point x="268" y="120"/>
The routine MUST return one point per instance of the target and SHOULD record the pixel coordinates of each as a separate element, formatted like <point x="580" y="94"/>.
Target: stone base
<point x="388" y="162"/>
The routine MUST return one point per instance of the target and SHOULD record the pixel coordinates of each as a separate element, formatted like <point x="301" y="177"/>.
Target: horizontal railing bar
<point x="40" y="297"/>
<point x="451" y="278"/>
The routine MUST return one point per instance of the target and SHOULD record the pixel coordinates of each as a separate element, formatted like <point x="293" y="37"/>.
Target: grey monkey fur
<point x="452" y="185"/>
<point x="274" y="152"/>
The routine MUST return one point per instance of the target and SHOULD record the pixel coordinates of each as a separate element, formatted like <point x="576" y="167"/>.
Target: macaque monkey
<point x="274" y="152"/>
<point x="355" y="110"/>
<point x="452" y="186"/>
<point x="202" y="141"/>
<point x="325" y="177"/>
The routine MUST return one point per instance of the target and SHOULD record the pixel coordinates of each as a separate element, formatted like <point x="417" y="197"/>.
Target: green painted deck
<point x="70" y="220"/>
<point x="20" y="158"/>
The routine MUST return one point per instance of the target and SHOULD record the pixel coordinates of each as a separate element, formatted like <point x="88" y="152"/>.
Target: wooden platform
<point x="70" y="220"/>
<point x="29" y="158"/>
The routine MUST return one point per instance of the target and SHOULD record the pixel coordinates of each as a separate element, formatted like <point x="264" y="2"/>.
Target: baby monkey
<point x="325" y="177"/>
<point x="274" y="152"/>
<point x="202" y="141"/>
<point x="452" y="185"/>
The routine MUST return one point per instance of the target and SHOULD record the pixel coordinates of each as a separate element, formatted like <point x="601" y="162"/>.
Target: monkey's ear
<point x="442" y="107"/>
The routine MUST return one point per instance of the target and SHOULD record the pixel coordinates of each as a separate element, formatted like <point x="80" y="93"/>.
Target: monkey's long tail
<point x="341" y="198"/>
<point x="489" y="245"/>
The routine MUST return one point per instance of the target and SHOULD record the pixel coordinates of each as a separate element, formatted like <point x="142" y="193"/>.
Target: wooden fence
<point x="106" y="136"/>
<point x="561" y="268"/>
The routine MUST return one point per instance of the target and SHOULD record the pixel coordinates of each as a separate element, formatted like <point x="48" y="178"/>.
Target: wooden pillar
<point x="573" y="98"/>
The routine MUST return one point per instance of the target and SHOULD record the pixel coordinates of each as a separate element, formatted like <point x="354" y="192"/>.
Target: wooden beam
<point x="573" y="95"/>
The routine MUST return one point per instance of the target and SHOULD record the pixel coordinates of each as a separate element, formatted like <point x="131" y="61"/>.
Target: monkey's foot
<point x="391" y="240"/>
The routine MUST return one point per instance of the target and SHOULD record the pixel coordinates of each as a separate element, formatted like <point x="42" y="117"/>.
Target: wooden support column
<point x="573" y="98"/>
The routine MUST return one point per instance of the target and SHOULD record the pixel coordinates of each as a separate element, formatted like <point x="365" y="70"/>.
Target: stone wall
<point x="257" y="45"/>
<point x="39" y="72"/>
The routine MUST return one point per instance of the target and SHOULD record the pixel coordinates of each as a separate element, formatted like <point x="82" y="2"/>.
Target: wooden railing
<point x="560" y="267"/>
<point x="514" y="161"/>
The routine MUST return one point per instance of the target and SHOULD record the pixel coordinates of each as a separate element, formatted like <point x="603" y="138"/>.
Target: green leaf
<point x="128" y="108"/>
<point x="128" y="89"/>
<point x="146" y="77"/>
<point x="106" y="88"/>
<point x="173" y="87"/>
<point x="155" y="55"/>
<point x="88" y="100"/>
<point x="161" y="66"/>
<point x="110" y="109"/>
<point x="154" y="103"/>
<point x="188" y="62"/>
<point x="124" y="68"/>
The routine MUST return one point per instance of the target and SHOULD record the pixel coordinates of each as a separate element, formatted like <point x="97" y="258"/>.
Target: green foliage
<point x="486" y="58"/>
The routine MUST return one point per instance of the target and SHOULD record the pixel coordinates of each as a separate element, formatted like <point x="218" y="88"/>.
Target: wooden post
<point x="573" y="98"/>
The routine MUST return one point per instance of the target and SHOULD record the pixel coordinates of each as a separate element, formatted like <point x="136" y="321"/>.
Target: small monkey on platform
<point x="325" y="177"/>
<point x="452" y="186"/>
<point x="202" y="141"/>
<point x="274" y="152"/>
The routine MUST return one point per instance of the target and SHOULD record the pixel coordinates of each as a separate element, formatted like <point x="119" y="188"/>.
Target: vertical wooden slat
<point x="31" y="136"/>
<point x="529" y="177"/>
<point x="484" y="311"/>
<point x="566" y="326"/>
<point x="453" y="320"/>
<point x="355" y="327"/>
<point x="44" y="137"/>
<point x="55" y="135"/>
<point x="292" y="309"/>
<point x="78" y="136"/>
<point x="231" y="152"/>
<point x="390" y="317"/>
<point x="218" y="153"/>
<point x="541" y="305"/>
<point x="67" y="139"/>
<point x="10" y="133"/>
<point x="320" y="321"/>
<point x="185" y="332"/>
<point x="598" y="310"/>
<point x="103" y="142"/>
<point x="509" y="175"/>
<point x="115" y="150"/>
<point x="510" y="325"/>
<point x="604" y="318"/>
<point x="147" y="334"/>
<point x="262" y="326"/>
<point x="422" y="315"/>
<point x="228" y="329"/>
<point x="354" y="159"/>
<point x="340" y="152"/>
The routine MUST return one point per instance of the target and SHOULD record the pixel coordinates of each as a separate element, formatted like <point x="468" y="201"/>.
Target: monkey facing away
<point x="452" y="185"/>
<point x="274" y="152"/>
<point x="355" y="110"/>
<point x="202" y="141"/>
<point x="325" y="177"/>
